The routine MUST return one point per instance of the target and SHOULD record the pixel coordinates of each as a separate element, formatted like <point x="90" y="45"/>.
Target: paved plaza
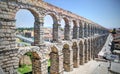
<point x="92" y="67"/>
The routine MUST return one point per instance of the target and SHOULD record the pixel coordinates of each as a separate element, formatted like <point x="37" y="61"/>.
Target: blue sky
<point x="103" y="12"/>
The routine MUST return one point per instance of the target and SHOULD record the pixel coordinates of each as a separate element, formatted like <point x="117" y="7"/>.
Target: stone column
<point x="88" y="30"/>
<point x="85" y="30"/>
<point x="38" y="31"/>
<point x="86" y="50"/>
<point x="56" y="36"/>
<point x="75" y="32"/>
<point x="93" y="30"/>
<point x="81" y="52"/>
<point x="75" y="55"/>
<point x="67" y="32"/>
<point x="39" y="66"/>
<point x="93" y="50"/>
<point x="56" y="58"/>
<point x="7" y="39"/>
<point x="89" y="49"/>
<point x="81" y="30"/>
<point x="67" y="58"/>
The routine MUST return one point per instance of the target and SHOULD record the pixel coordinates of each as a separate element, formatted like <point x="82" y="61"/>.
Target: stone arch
<point x="56" y="25"/>
<point x="54" y="17"/>
<point x="86" y="50"/>
<point x="66" y="29"/>
<point x="32" y="10"/>
<point x="54" y="57"/>
<point x="74" y="23"/>
<point x="37" y="60"/>
<point x="81" y="52"/>
<point x="67" y="58"/>
<point x="75" y="55"/>
<point x="66" y="20"/>
<point x="37" y="23"/>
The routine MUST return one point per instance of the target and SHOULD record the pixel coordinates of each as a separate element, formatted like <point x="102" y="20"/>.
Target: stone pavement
<point x="115" y="67"/>
<point x="92" y="67"/>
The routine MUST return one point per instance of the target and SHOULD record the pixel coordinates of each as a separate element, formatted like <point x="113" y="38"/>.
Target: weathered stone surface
<point x="73" y="54"/>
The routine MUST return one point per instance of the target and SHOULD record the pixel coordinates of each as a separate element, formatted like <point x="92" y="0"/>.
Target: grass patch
<point x="25" y="69"/>
<point x="49" y="63"/>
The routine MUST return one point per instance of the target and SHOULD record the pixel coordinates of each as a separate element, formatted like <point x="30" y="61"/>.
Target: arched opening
<point x="48" y="26"/>
<point x="75" y="55"/>
<point x="24" y="27"/>
<point x="51" y="24"/>
<point x="54" y="61"/>
<point x="29" y="63"/>
<point x="62" y="29"/>
<point x="66" y="29"/>
<point x="67" y="58"/>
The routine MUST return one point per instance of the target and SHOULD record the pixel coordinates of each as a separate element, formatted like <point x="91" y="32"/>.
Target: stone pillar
<point x="86" y="50"/>
<point x="75" y="55"/>
<point x="56" y="36"/>
<point x="67" y="32"/>
<point x="89" y="49"/>
<point x="81" y="30"/>
<point x="93" y="50"/>
<point x="75" y="32"/>
<point x="56" y="58"/>
<point x="81" y="52"/>
<point x="38" y="31"/>
<point x="92" y="30"/>
<point x="39" y="66"/>
<point x="88" y="30"/>
<point x="67" y="58"/>
<point x="7" y="39"/>
<point x="85" y="30"/>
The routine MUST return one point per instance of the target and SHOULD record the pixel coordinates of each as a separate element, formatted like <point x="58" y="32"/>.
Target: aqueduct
<point x="87" y="40"/>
